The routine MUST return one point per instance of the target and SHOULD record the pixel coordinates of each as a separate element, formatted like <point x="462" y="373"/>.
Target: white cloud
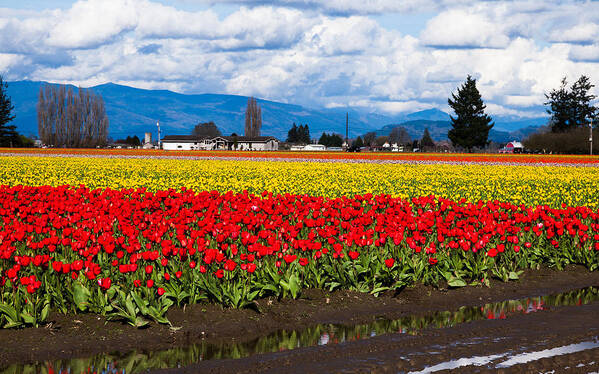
<point x="311" y="52"/>
<point x="463" y="28"/>
<point x="90" y="23"/>
<point x="585" y="53"/>
<point x="580" y="33"/>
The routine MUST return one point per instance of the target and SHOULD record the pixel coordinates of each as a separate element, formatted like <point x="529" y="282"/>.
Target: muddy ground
<point x="86" y="335"/>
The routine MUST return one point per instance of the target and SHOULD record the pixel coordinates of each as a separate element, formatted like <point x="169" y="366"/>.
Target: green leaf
<point x="28" y="318"/>
<point x="45" y="311"/>
<point x="140" y="322"/>
<point x="10" y="313"/>
<point x="81" y="296"/>
<point x="456" y="282"/>
<point x="13" y="324"/>
<point x="513" y="275"/>
<point x="269" y="287"/>
<point x="333" y="285"/>
<point x="131" y="310"/>
<point x="141" y="304"/>
<point x="252" y="295"/>
<point x="378" y="290"/>
<point x="294" y="286"/>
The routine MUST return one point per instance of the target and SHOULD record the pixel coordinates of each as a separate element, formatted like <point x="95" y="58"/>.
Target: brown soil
<point x="85" y="335"/>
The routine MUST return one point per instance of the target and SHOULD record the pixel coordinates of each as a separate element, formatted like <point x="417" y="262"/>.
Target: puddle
<point x="523" y="358"/>
<point x="494" y="361"/>
<point x="139" y="361"/>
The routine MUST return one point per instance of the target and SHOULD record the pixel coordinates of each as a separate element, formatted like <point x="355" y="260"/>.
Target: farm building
<point x="240" y="143"/>
<point x="512" y="147"/>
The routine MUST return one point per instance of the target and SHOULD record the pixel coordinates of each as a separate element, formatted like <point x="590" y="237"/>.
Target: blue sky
<point x="385" y="55"/>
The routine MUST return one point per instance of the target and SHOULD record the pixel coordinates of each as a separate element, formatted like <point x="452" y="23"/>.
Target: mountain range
<point x="134" y="111"/>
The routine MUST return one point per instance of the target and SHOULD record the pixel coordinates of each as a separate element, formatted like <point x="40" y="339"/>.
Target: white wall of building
<point x="182" y="146"/>
<point x="270" y="145"/>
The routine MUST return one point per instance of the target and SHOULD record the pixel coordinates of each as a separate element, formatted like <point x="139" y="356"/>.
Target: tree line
<point x="299" y="134"/>
<point x="71" y="119"/>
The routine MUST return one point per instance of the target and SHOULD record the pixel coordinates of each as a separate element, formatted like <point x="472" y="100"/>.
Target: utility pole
<point x="158" y="125"/>
<point x="347" y="129"/>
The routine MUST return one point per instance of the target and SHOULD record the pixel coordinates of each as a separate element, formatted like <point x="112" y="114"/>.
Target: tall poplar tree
<point x="470" y="125"/>
<point x="253" y="118"/>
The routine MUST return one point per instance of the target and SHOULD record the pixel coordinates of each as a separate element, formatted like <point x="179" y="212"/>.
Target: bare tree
<point x="399" y="135"/>
<point x="69" y="119"/>
<point x="253" y="118"/>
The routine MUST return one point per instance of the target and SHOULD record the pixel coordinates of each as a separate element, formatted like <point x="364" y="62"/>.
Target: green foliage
<point x="470" y="125"/>
<point x="130" y="140"/>
<point x="572" y="141"/>
<point x="571" y="108"/>
<point x="299" y="134"/>
<point x="8" y="133"/>
<point x="206" y="129"/>
<point x="358" y="143"/>
<point x="427" y="140"/>
<point x="333" y="140"/>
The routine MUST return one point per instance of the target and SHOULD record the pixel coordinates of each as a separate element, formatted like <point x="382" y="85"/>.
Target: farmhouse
<point x="240" y="143"/>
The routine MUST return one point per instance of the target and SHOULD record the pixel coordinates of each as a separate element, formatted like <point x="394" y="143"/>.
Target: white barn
<point x="240" y="143"/>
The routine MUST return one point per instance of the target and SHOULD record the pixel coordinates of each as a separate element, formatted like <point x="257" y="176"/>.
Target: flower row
<point x="133" y="253"/>
<point x="445" y="157"/>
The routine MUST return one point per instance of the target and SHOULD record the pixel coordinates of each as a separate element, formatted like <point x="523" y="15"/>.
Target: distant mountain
<point x="429" y="114"/>
<point x="134" y="111"/>
<point x="439" y="129"/>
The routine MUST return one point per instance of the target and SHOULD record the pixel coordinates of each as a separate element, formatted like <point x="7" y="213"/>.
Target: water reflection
<point x="137" y="362"/>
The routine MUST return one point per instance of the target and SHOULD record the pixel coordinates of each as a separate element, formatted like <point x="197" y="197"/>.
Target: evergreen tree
<point x="571" y="108"/>
<point x="471" y="125"/>
<point x="292" y="134"/>
<point x="332" y="140"/>
<point x="559" y="102"/>
<point x="135" y="141"/>
<point x="582" y="110"/>
<point x="8" y="133"/>
<point x="304" y="134"/>
<point x="427" y="141"/>
<point x="358" y="143"/>
<point x="324" y="139"/>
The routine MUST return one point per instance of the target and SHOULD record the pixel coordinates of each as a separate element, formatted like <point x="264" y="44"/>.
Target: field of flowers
<point x="343" y="156"/>
<point x="129" y="238"/>
<point x="529" y="185"/>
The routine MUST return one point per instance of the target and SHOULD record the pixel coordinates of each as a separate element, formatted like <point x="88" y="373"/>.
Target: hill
<point x="134" y="111"/>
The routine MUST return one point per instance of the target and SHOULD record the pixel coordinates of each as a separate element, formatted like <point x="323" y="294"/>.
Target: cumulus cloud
<point x="585" y="53"/>
<point x="584" y="33"/>
<point x="463" y="28"/>
<point x="353" y="7"/>
<point x="320" y="53"/>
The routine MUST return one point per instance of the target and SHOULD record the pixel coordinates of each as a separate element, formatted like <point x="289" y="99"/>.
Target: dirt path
<point x="86" y="335"/>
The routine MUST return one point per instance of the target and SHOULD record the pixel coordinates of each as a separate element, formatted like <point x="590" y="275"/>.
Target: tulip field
<point x="130" y="238"/>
